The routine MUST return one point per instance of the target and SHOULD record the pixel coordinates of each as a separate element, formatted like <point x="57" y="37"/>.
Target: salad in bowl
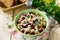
<point x="31" y="23"/>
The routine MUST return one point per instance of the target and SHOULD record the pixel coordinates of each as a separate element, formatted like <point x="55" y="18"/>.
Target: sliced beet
<point x="35" y="20"/>
<point x="30" y="12"/>
<point x="25" y="15"/>
<point x="22" y="18"/>
<point x="32" y="26"/>
<point x="24" y="26"/>
<point x="31" y="16"/>
<point x="29" y="23"/>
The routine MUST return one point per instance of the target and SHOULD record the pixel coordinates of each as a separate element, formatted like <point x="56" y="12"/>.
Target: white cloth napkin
<point x="4" y="35"/>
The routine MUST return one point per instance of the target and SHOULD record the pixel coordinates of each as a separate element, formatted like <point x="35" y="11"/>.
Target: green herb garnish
<point x="28" y="16"/>
<point x="36" y="23"/>
<point x="24" y="22"/>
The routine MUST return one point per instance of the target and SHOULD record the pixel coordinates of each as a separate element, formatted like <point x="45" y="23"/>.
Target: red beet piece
<point x="35" y="21"/>
<point x="24" y="26"/>
<point x="30" y="12"/>
<point x="25" y="15"/>
<point x="22" y="18"/>
<point x="31" y="16"/>
<point x="29" y="23"/>
<point x="32" y="26"/>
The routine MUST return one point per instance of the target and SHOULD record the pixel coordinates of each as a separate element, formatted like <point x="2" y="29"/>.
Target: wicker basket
<point x="14" y="7"/>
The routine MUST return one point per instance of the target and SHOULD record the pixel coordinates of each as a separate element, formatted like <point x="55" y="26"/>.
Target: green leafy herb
<point x="28" y="16"/>
<point x="24" y="22"/>
<point x="49" y="7"/>
<point x="36" y="23"/>
<point x="9" y="26"/>
<point x="57" y="14"/>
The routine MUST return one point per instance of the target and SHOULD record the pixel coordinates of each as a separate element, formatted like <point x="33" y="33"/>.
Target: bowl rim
<point x="36" y="11"/>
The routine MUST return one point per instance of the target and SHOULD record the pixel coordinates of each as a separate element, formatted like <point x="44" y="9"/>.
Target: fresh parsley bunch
<point x="49" y="6"/>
